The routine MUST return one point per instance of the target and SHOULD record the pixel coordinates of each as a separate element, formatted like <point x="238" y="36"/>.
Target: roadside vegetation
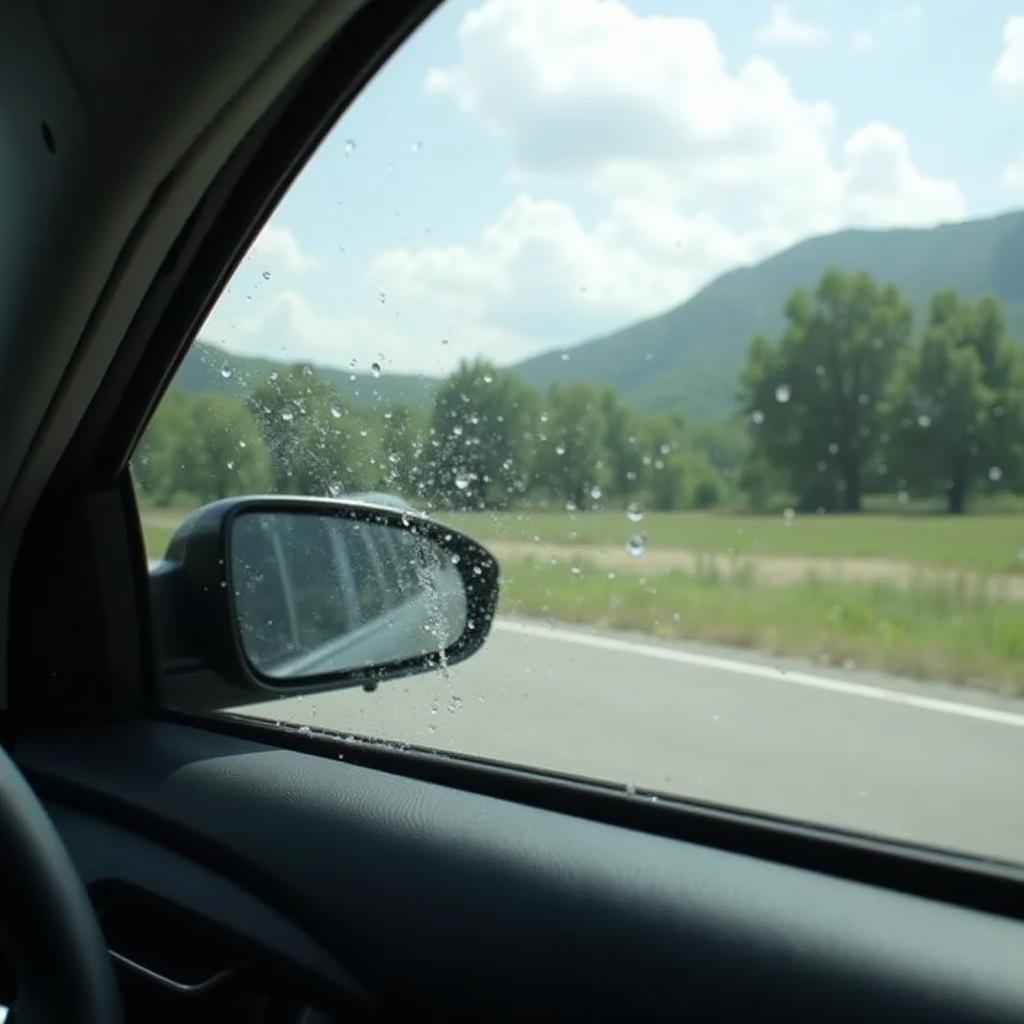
<point x="825" y="517"/>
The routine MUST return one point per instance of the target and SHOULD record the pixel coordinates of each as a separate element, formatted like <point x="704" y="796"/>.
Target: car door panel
<point x="464" y="905"/>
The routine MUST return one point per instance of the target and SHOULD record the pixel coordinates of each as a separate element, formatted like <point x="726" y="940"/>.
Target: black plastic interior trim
<point x="455" y="905"/>
<point x="978" y="883"/>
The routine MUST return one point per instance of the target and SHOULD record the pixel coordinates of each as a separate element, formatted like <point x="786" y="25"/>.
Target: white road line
<point x="849" y="689"/>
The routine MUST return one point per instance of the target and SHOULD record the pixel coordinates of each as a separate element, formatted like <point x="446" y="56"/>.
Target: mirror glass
<point x="320" y="594"/>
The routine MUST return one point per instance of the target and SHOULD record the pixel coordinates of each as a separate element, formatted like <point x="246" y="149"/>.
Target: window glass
<point x="706" y="319"/>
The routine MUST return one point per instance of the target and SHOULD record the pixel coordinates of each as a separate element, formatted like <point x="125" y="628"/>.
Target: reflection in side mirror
<point x="318" y="595"/>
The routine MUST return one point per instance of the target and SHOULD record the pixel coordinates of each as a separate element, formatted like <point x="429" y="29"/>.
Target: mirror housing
<point x="205" y="596"/>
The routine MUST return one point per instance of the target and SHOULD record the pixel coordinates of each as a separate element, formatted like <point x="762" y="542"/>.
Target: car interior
<point x="162" y="864"/>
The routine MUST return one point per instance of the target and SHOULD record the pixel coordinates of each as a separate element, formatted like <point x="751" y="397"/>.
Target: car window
<point x="706" y="320"/>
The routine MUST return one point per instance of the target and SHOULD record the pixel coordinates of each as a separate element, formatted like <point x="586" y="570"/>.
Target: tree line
<point x="489" y="441"/>
<point x="844" y="402"/>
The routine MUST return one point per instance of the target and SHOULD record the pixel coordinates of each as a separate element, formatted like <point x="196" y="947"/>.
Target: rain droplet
<point x="266" y="275"/>
<point x="995" y="473"/>
<point x="596" y="492"/>
<point x="350" y="147"/>
<point x="789" y="516"/>
<point x="559" y="449"/>
<point x="757" y="417"/>
<point x="570" y="506"/>
<point x="903" y="497"/>
<point x="462" y="480"/>
<point x="382" y="297"/>
<point x="375" y="369"/>
<point x="417" y="146"/>
<point x="226" y="372"/>
<point x="444" y="341"/>
<point x="488" y="378"/>
<point x="336" y="411"/>
<point x="636" y="545"/>
<point x="634" y="513"/>
<point x="565" y="357"/>
<point x="924" y="421"/>
<point x="230" y="464"/>
<point x="575" y="570"/>
<point x="782" y="393"/>
<point x="833" y="448"/>
<point x="287" y="415"/>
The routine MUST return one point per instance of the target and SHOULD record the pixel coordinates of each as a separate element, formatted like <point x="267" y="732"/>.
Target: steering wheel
<point x="49" y="930"/>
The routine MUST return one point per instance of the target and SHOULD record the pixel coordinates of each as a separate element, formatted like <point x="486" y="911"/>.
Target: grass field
<point x="990" y="543"/>
<point x="943" y="633"/>
<point x="952" y="629"/>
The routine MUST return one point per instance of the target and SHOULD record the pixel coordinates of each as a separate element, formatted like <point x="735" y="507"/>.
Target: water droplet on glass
<point x="375" y="369"/>
<point x="457" y="431"/>
<point x="995" y="473"/>
<point x="230" y="464"/>
<point x="570" y="506"/>
<point x="634" y="513"/>
<point x="631" y="788"/>
<point x="596" y="492"/>
<point x="266" y="275"/>
<point x="924" y="421"/>
<point x="350" y="147"/>
<point x="417" y="146"/>
<point x="287" y="415"/>
<point x="565" y="357"/>
<point x="636" y="545"/>
<point x="833" y="448"/>
<point x="789" y="516"/>
<point x="226" y="372"/>
<point x="559" y="449"/>
<point x="782" y="393"/>
<point x="336" y="411"/>
<point x="757" y="417"/>
<point x="488" y="378"/>
<point x="903" y="497"/>
<point x="462" y="480"/>
<point x="444" y="341"/>
<point x="382" y="297"/>
<point x="575" y="570"/>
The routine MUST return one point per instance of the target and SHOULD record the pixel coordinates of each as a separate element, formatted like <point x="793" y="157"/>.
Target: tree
<point x="317" y="445"/>
<point x="199" y="448"/>
<point x="814" y="397"/>
<point x="479" y="441"/>
<point x="623" y="449"/>
<point x="956" y="403"/>
<point x="570" y="456"/>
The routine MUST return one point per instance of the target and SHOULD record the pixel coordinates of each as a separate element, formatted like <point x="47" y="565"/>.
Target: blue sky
<point x="526" y="174"/>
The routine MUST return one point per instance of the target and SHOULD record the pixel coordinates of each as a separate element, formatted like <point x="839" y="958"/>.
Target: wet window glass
<point x="707" y="320"/>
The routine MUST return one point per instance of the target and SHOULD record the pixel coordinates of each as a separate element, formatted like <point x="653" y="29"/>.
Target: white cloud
<point x="783" y="26"/>
<point x="1008" y="73"/>
<point x="1013" y="174"/>
<point x="280" y="247"/>
<point x="863" y="40"/>
<point x="542" y="275"/>
<point x="685" y="167"/>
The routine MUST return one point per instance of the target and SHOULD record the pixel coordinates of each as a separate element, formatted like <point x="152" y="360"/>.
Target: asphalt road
<point x="929" y="763"/>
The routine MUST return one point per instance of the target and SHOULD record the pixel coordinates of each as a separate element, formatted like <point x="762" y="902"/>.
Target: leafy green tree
<point x="623" y="448"/>
<point x="199" y="448"/>
<point x="479" y="445"/>
<point x="957" y="403"/>
<point x="317" y="444"/>
<point x="570" y="449"/>
<point x="814" y="397"/>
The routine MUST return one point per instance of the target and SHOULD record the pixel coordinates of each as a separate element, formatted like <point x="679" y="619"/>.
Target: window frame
<point x="96" y="464"/>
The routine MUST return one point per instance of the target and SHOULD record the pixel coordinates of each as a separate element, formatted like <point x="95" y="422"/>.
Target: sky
<point x="524" y="175"/>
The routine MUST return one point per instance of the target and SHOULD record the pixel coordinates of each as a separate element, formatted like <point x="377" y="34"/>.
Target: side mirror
<point x="297" y="594"/>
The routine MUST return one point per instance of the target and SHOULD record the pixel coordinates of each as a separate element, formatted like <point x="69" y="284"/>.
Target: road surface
<point x="929" y="763"/>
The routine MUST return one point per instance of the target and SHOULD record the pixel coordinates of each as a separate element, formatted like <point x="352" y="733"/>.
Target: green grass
<point x="983" y="543"/>
<point x="950" y="634"/>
